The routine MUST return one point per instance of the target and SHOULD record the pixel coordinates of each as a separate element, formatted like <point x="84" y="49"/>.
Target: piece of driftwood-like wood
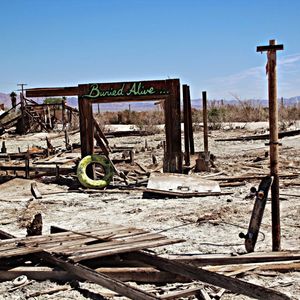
<point x="50" y="92"/>
<point x="259" y="137"/>
<point x="36" y="273"/>
<point x="35" y="191"/>
<point x="60" y="237"/>
<point x="289" y="266"/>
<point x="99" y="278"/>
<point x="71" y="242"/>
<point x="179" y="294"/>
<point x="92" y="276"/>
<point x="219" y="259"/>
<point x="238" y="271"/>
<point x="136" y="274"/>
<point x="152" y="192"/>
<point x="232" y="284"/>
<point x="124" y="248"/>
<point x="250" y="177"/>
<point x="48" y="291"/>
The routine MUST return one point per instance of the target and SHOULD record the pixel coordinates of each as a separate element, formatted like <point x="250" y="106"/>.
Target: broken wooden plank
<point x="250" y="177"/>
<point x="136" y="274"/>
<point x="220" y="259"/>
<point x="35" y="192"/>
<point x="260" y="137"/>
<point x="232" y="284"/>
<point x="152" y="193"/>
<point x="179" y="294"/>
<point x="181" y="183"/>
<point x="93" y="276"/>
<point x="99" y="278"/>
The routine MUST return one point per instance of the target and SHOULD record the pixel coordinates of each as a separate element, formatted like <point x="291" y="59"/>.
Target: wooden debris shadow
<point x="78" y="252"/>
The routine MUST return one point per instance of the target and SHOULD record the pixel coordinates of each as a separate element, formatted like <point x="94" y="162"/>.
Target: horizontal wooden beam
<point x="232" y="284"/>
<point x="136" y="274"/>
<point x="50" y="92"/>
<point x="217" y="259"/>
<point x="269" y="47"/>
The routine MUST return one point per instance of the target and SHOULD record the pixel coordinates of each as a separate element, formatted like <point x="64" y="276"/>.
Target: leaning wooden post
<point x="273" y="125"/>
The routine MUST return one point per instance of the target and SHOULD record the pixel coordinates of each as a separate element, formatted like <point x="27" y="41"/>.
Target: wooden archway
<point x="167" y="90"/>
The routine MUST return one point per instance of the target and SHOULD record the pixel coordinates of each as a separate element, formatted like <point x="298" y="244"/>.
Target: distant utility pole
<point x="22" y="107"/>
<point x="22" y="86"/>
<point x="273" y="125"/>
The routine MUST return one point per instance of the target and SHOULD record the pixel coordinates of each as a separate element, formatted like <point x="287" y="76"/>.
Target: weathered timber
<point x="136" y="274"/>
<point x="35" y="192"/>
<point x="50" y="92"/>
<point x="205" y="126"/>
<point x="281" y="134"/>
<point x="93" y="276"/>
<point x="179" y="294"/>
<point x="186" y="126"/>
<point x="99" y="278"/>
<point x="152" y="193"/>
<point x="250" y="177"/>
<point x="232" y="284"/>
<point x="173" y="155"/>
<point x="274" y="149"/>
<point x="219" y="259"/>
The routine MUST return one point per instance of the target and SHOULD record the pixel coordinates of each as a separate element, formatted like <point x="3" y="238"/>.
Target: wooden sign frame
<point x="167" y="90"/>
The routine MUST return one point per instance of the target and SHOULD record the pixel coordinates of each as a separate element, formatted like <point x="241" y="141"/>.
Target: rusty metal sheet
<point x="181" y="183"/>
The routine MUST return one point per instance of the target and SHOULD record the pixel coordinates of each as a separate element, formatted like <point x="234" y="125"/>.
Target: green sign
<point x="125" y="89"/>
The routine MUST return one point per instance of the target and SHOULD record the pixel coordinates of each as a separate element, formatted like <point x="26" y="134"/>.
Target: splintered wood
<point x="111" y="255"/>
<point x="108" y="240"/>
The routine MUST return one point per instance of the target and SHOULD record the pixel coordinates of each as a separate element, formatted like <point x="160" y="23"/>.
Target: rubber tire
<point x="91" y="183"/>
<point x="20" y="280"/>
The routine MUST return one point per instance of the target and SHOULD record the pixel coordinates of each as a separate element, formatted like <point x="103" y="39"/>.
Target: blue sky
<point x="210" y="45"/>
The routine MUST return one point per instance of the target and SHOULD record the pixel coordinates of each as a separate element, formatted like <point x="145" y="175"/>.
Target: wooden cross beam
<point x="273" y="125"/>
<point x="269" y="47"/>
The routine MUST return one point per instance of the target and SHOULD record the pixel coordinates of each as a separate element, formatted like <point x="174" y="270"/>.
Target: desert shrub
<point x="288" y="116"/>
<point x="215" y="117"/>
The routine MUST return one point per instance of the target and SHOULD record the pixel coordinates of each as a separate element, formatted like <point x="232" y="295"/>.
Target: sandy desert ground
<point x="208" y="224"/>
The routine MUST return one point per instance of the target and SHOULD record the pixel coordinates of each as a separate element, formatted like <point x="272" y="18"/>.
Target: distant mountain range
<point x="149" y="105"/>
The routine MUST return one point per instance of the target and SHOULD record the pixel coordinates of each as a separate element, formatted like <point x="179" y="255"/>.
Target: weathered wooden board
<point x="181" y="183"/>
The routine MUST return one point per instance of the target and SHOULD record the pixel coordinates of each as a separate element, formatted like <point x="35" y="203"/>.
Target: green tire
<point x="91" y="183"/>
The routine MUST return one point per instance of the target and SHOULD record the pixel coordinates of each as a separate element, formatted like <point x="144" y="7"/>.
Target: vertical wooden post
<point x="190" y="121"/>
<point x="22" y="127"/>
<point x="205" y="127"/>
<point x="63" y="104"/>
<point x="273" y="125"/>
<point x="173" y="154"/>
<point x="186" y="126"/>
<point x="27" y="164"/>
<point x="86" y="131"/>
<point x="86" y="126"/>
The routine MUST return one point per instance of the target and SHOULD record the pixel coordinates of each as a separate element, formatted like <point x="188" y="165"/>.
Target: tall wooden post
<point x="186" y="125"/>
<point x="205" y="127"/>
<point x="173" y="154"/>
<point x="190" y="121"/>
<point x="22" y="127"/>
<point x="273" y="125"/>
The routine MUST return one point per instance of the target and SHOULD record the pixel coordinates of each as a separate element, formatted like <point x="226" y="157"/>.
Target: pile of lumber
<point x="113" y="255"/>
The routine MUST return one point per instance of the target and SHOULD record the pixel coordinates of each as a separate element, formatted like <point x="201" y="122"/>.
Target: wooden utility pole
<point x="273" y="125"/>
<point x="22" y="107"/>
